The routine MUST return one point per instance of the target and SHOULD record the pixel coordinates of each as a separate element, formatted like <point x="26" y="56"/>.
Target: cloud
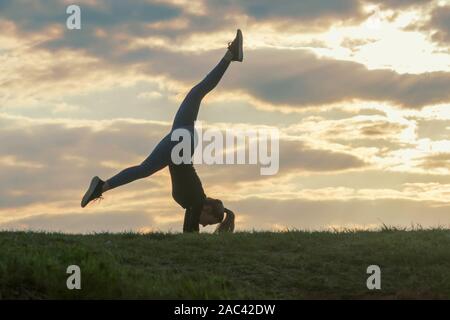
<point x="352" y="128"/>
<point x="35" y="15"/>
<point x="382" y="129"/>
<point x="298" y="79"/>
<point x="316" y="81"/>
<point x="60" y="156"/>
<point x="435" y="129"/>
<point x="203" y="16"/>
<point x="34" y="76"/>
<point x="437" y="161"/>
<point x="399" y="4"/>
<point x="291" y="12"/>
<point x="440" y="23"/>
<point x="109" y="25"/>
<point x="296" y="156"/>
<point x="277" y="78"/>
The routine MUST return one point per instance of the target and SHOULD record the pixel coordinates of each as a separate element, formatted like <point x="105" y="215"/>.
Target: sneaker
<point x="94" y="191"/>
<point x="236" y="48"/>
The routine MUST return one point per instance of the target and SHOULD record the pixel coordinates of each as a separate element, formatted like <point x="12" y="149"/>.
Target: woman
<point x="187" y="188"/>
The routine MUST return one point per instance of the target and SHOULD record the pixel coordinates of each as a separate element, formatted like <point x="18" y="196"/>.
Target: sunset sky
<point x="359" y="91"/>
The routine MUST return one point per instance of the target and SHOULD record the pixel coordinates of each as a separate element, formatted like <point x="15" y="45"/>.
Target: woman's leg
<point x="188" y="111"/>
<point x="157" y="160"/>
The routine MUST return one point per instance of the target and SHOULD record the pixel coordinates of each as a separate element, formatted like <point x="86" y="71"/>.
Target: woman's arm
<point x="191" y="219"/>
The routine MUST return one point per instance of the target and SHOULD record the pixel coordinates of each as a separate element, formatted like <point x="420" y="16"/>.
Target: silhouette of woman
<point x="187" y="188"/>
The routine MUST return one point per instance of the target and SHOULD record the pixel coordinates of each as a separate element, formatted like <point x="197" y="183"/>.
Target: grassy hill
<point x="288" y="265"/>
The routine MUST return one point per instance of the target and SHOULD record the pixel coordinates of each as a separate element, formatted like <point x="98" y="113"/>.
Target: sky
<point x="358" y="89"/>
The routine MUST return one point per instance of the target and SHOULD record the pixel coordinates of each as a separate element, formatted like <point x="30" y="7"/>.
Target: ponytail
<point x="227" y="225"/>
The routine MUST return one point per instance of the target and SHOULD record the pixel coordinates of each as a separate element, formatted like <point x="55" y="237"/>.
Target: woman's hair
<point x="217" y="208"/>
<point x="227" y="225"/>
<point x="218" y="211"/>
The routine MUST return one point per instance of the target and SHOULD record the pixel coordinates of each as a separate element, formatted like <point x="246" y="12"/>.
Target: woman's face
<point x="206" y="216"/>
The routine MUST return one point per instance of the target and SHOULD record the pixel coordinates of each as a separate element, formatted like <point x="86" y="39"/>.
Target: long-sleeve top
<point x="187" y="191"/>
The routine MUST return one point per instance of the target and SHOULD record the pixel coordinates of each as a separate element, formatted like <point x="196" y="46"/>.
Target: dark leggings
<point x="185" y="118"/>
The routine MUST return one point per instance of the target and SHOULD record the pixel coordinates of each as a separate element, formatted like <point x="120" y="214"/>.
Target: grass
<point x="260" y="265"/>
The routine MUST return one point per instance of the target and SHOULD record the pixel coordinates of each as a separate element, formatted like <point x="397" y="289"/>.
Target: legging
<point x="184" y="118"/>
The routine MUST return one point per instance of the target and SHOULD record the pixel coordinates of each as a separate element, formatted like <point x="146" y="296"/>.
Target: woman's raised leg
<point x="188" y="111"/>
